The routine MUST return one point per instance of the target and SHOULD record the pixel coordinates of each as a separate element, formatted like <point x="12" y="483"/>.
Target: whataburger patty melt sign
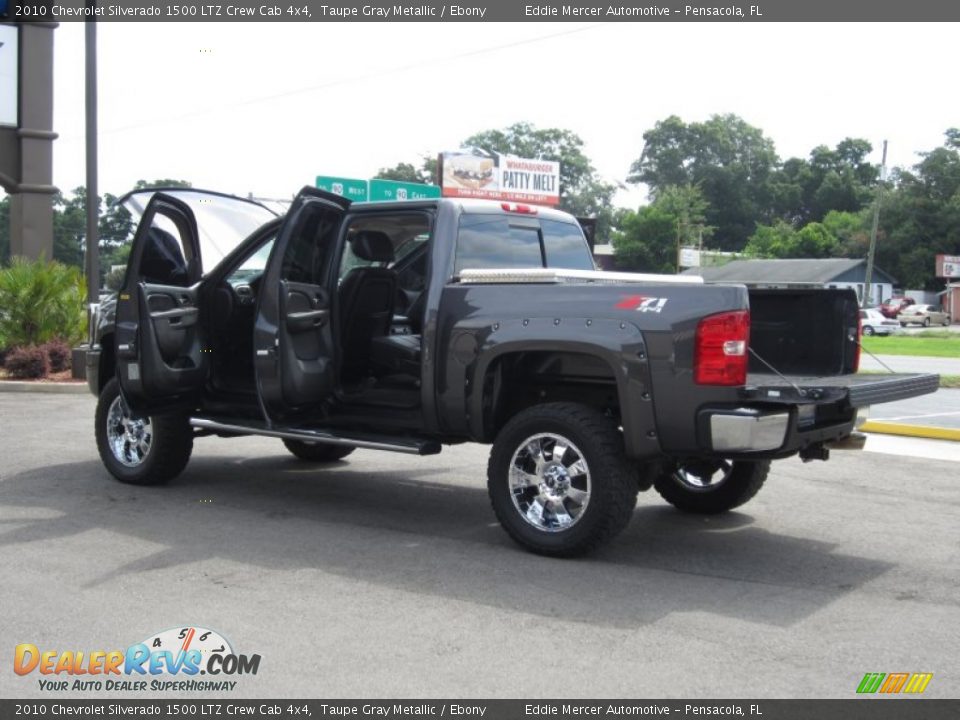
<point x="499" y="177"/>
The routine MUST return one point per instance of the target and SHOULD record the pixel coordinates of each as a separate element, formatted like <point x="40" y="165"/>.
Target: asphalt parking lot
<point x="386" y="576"/>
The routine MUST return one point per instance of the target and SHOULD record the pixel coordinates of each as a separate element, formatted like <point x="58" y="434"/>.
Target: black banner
<point x="853" y="709"/>
<point x="483" y="11"/>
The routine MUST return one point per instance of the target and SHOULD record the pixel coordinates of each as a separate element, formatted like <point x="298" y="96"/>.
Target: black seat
<point x="400" y="354"/>
<point x="366" y="302"/>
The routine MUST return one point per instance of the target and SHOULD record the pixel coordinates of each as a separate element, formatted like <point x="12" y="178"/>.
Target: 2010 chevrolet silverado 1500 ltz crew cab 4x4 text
<point x="407" y="326"/>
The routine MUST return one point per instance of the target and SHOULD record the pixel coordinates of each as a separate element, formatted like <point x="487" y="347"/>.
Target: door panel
<point x="295" y="355"/>
<point x="172" y="359"/>
<point x="160" y="343"/>
<point x="305" y="340"/>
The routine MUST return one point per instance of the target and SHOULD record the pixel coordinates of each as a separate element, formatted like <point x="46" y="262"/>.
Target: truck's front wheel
<point x="711" y="486"/>
<point x="138" y="449"/>
<point x="558" y="479"/>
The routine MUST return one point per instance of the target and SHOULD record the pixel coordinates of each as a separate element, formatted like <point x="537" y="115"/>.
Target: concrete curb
<point x="921" y="431"/>
<point x="21" y="386"/>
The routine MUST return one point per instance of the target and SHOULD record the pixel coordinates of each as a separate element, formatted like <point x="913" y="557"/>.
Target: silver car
<point x="925" y="315"/>
<point x="874" y="322"/>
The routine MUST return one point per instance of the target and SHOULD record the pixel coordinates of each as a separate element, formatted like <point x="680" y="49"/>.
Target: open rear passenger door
<point x="159" y="342"/>
<point x="294" y="342"/>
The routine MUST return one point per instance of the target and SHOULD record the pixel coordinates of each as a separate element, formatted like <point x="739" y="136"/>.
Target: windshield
<point x="223" y="221"/>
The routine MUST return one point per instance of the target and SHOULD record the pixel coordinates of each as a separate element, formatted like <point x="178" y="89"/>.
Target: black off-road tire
<point x="169" y="448"/>
<point x="610" y="480"/>
<point x="318" y="452"/>
<point x="731" y="488"/>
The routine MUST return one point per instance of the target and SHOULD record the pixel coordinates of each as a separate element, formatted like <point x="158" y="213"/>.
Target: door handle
<point x="300" y="321"/>
<point x="178" y="316"/>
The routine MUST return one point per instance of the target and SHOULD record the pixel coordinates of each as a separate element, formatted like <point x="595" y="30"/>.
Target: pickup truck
<point x="407" y="326"/>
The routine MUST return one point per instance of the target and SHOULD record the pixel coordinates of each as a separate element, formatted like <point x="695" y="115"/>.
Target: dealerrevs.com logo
<point x="172" y="660"/>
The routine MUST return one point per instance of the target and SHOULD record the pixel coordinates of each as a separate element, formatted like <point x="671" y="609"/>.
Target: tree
<point x="4" y="229"/>
<point x="405" y="172"/>
<point x="921" y="216"/>
<point x="838" y="179"/>
<point x="852" y="231"/>
<point x="582" y="192"/>
<point x="729" y="160"/>
<point x="165" y="182"/>
<point x="70" y="227"/>
<point x="772" y="241"/>
<point x="647" y="240"/>
<point x="781" y="240"/>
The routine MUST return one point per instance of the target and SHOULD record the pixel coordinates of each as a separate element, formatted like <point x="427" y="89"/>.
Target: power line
<point x="348" y="81"/>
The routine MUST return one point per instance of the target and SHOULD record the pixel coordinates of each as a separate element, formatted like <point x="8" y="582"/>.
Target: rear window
<point x="565" y="246"/>
<point x="503" y="241"/>
<point x="491" y="241"/>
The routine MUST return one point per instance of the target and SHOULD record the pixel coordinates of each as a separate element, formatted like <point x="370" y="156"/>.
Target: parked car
<point x="892" y="307"/>
<point x="874" y="322"/>
<point x="406" y="326"/>
<point x="925" y="315"/>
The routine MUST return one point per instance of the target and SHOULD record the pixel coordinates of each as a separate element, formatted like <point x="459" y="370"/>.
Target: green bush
<point x="40" y="301"/>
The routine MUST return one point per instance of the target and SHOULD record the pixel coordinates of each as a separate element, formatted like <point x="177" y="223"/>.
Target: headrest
<point x="372" y="245"/>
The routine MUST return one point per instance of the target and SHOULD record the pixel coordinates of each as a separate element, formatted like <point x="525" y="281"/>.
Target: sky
<point x="264" y="108"/>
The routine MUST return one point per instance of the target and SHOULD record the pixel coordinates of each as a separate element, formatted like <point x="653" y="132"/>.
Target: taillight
<point x="720" y="356"/>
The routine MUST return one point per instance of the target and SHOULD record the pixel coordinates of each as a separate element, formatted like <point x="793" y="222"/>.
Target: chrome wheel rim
<point x="129" y="438"/>
<point x="703" y="476"/>
<point x="549" y="482"/>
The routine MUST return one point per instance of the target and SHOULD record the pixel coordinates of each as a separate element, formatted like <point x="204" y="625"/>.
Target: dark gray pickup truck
<point x="407" y="326"/>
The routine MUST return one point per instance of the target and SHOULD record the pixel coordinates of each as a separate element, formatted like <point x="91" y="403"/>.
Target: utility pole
<point x="93" y="200"/>
<point x="678" y="246"/>
<point x="873" y="230"/>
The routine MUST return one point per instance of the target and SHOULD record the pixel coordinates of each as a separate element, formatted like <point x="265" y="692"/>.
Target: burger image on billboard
<point x="469" y="171"/>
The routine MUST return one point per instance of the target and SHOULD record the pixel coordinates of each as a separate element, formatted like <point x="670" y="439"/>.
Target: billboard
<point x="948" y="266"/>
<point x="476" y="174"/>
<point x="9" y="57"/>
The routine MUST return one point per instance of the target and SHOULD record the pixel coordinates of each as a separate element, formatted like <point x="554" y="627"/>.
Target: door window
<point x="308" y="253"/>
<point x="166" y="254"/>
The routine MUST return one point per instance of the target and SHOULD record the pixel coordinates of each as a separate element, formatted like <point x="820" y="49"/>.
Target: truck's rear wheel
<point x="558" y="479"/>
<point x="711" y="486"/>
<point x="318" y="451"/>
<point x="140" y="450"/>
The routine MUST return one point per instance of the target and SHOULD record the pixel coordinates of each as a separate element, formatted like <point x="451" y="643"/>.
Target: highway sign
<point x="350" y="188"/>
<point x="393" y="190"/>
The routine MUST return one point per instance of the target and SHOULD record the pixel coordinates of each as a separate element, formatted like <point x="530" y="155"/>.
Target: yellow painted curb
<point x="923" y="431"/>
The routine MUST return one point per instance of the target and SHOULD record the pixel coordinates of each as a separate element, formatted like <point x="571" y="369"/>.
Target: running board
<point x="370" y="442"/>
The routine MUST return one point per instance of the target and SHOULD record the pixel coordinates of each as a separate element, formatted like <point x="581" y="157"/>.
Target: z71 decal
<point x="641" y="303"/>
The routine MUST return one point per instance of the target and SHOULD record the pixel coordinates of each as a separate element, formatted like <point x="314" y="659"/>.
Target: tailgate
<point x="858" y="390"/>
